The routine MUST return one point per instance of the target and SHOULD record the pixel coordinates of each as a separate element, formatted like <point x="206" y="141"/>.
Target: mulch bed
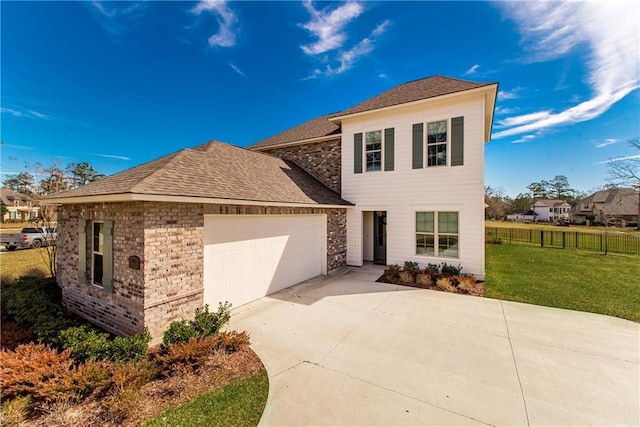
<point x="434" y="287"/>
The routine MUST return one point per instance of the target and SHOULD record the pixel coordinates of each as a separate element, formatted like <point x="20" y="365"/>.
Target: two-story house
<point x="550" y="210"/>
<point x="395" y="178"/>
<point x="17" y="206"/>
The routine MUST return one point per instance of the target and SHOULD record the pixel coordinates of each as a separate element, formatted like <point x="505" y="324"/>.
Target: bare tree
<point x="625" y="172"/>
<point x="49" y="250"/>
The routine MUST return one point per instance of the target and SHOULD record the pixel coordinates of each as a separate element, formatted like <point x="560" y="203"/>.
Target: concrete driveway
<point x="345" y="350"/>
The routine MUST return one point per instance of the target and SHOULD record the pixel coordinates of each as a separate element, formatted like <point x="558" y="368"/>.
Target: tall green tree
<point x="81" y="174"/>
<point x="23" y="183"/>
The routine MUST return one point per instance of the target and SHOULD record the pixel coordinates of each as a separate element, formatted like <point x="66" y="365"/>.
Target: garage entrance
<point x="249" y="256"/>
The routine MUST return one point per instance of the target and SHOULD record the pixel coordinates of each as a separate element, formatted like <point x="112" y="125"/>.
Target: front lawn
<point x="605" y="284"/>
<point x="239" y="403"/>
<point x="23" y="262"/>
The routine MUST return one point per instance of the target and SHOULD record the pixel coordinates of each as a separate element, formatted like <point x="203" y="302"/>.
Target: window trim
<point x="447" y="143"/>
<point x="365" y="151"/>
<point x="93" y="253"/>
<point x="436" y="233"/>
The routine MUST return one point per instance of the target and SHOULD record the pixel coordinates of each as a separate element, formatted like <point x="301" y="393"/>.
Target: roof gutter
<point x="135" y="197"/>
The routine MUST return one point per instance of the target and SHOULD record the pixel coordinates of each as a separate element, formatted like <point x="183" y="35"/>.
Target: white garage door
<point x="249" y="256"/>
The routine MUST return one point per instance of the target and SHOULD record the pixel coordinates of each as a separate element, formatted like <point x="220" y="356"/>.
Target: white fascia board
<point x="299" y="142"/>
<point x="133" y="197"/>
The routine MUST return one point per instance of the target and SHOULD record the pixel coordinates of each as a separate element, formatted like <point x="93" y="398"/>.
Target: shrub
<point x="207" y="324"/>
<point x="493" y="240"/>
<point x="392" y="271"/>
<point x="450" y="270"/>
<point x="16" y="411"/>
<point x="411" y="266"/>
<point x="13" y="335"/>
<point x="34" y="302"/>
<point x="179" y="332"/>
<point x="407" y="276"/>
<point x="469" y="285"/>
<point x="87" y="343"/>
<point x="187" y="356"/>
<point x="233" y="341"/>
<point x="445" y="284"/>
<point x="424" y="279"/>
<point x="432" y="269"/>
<point x="204" y="324"/>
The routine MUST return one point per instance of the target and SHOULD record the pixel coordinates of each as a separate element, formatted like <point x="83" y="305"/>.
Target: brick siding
<point x="168" y="238"/>
<point x="320" y="159"/>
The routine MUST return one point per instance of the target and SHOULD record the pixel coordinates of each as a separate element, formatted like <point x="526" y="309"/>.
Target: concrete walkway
<point x="345" y="350"/>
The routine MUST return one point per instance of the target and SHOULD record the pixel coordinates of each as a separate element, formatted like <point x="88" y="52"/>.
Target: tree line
<point x="623" y="173"/>
<point x="45" y="180"/>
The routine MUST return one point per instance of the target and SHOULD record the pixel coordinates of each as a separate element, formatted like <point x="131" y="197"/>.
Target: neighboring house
<point x="522" y="216"/>
<point x="619" y="205"/>
<point x="398" y="177"/>
<point x="551" y="210"/>
<point x="19" y="207"/>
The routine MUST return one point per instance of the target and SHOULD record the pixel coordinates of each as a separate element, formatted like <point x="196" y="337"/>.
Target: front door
<point x="380" y="237"/>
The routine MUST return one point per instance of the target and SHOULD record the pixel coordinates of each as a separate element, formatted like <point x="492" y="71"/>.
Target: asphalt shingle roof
<point x="429" y="87"/>
<point x="314" y="128"/>
<point x="216" y="170"/>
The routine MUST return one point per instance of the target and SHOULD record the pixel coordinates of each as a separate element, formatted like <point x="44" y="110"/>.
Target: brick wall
<point x="121" y="311"/>
<point x="168" y="239"/>
<point x="320" y="159"/>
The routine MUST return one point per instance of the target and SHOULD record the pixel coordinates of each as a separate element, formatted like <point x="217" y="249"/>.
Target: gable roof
<point x="214" y="170"/>
<point x="616" y="201"/>
<point x="550" y="203"/>
<point x="329" y="125"/>
<point x="9" y="196"/>
<point x="429" y="87"/>
<point x="315" y="128"/>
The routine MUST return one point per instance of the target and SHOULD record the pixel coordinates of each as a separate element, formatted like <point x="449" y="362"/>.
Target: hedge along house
<point x="397" y="177"/>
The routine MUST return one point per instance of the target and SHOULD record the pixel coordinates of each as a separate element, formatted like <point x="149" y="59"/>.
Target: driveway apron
<point x="346" y="350"/>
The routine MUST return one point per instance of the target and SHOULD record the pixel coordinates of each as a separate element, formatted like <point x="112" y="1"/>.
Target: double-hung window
<point x="437" y="143"/>
<point x="437" y="234"/>
<point x="97" y="251"/>
<point x="373" y="150"/>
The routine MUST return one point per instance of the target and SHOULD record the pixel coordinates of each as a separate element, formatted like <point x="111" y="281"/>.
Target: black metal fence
<point x="561" y="239"/>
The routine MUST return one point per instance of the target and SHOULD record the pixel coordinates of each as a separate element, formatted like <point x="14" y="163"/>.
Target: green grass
<point x="23" y="262"/>
<point x="585" y="281"/>
<point x="239" y="403"/>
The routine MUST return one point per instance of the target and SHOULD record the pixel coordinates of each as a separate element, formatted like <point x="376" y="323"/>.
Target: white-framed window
<point x="373" y="151"/>
<point x="437" y="234"/>
<point x="437" y="142"/>
<point x="97" y="253"/>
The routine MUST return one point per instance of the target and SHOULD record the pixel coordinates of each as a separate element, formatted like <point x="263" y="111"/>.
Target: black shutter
<point x="388" y="149"/>
<point x="418" y="145"/>
<point x="357" y="153"/>
<point x="457" y="141"/>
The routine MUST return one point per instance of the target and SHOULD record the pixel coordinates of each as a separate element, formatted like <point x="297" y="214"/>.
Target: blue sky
<point x="117" y="84"/>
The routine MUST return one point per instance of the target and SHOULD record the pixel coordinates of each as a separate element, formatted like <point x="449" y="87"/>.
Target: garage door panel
<point x="248" y="257"/>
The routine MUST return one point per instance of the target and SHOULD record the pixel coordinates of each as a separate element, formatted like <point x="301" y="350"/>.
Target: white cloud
<point x="619" y="159"/>
<point x="512" y="94"/>
<point x="610" y="32"/>
<point x="115" y="17"/>
<point x="523" y="119"/>
<point x="328" y="26"/>
<point x="235" y="68"/>
<point x="503" y="110"/>
<point x="227" y="21"/>
<point x="348" y="58"/>
<point x="606" y="142"/>
<point x="472" y="70"/>
<point x="18" y="112"/>
<point x="524" y="139"/>
<point x="383" y="76"/>
<point x="113" y="156"/>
